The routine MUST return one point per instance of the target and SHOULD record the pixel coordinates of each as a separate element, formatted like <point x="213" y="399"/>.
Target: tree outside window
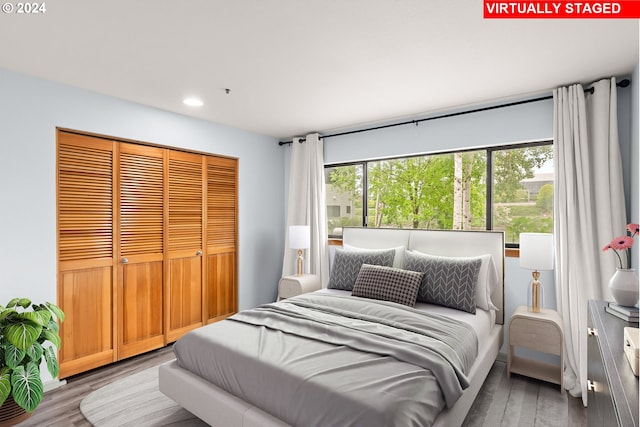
<point x="523" y="191"/>
<point x="447" y="191"/>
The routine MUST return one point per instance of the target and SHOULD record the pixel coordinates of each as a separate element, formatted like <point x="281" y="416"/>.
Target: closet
<point x="147" y="246"/>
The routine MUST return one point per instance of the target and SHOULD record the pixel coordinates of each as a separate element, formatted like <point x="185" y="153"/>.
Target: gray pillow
<point x="346" y="265"/>
<point x="447" y="281"/>
<point x="387" y="284"/>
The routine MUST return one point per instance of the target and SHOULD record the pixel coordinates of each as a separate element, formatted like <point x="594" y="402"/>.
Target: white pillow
<point x="398" y="259"/>
<point x="487" y="281"/>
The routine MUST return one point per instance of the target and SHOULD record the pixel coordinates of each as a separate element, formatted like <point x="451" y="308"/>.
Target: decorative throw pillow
<point x="398" y="260"/>
<point x="447" y="281"/>
<point x="346" y="266"/>
<point x="387" y="284"/>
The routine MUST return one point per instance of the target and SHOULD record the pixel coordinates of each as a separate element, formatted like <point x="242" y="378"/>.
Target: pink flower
<point x="621" y="243"/>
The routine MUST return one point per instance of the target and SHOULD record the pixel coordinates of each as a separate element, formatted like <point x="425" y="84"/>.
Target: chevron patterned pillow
<point x="346" y="265"/>
<point x="387" y="284"/>
<point x="447" y="281"/>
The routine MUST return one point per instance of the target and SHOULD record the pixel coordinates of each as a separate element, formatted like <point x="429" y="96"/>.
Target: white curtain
<point x="589" y="211"/>
<point x="306" y="206"/>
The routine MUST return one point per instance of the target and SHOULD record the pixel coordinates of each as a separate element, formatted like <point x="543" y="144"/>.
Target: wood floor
<point x="502" y="402"/>
<point x="61" y="407"/>
<point x="523" y="401"/>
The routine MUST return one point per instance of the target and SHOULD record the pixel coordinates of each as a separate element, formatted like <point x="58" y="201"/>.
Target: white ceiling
<point x="296" y="66"/>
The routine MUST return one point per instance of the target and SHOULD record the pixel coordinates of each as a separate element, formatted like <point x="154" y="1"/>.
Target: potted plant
<point x="24" y="328"/>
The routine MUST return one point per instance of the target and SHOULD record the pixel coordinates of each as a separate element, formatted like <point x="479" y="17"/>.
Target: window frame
<point x="489" y="176"/>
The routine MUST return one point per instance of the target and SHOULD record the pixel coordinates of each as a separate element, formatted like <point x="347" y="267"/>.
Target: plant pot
<point x="624" y="286"/>
<point x="11" y="413"/>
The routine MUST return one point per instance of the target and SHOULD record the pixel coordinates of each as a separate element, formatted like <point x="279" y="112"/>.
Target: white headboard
<point x="438" y="242"/>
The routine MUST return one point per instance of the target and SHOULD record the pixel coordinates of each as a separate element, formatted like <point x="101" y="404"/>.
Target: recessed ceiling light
<point x="193" y="102"/>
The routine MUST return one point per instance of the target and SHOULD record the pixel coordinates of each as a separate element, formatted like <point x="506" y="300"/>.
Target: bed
<point x="310" y="366"/>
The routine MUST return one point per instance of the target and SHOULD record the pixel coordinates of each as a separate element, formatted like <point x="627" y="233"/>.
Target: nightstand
<point x="290" y="286"/>
<point x="536" y="331"/>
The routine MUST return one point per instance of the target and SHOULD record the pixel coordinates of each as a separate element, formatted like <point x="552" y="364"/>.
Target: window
<point x="344" y="191"/>
<point x="447" y="191"/>
<point x="523" y="191"/>
<point x="443" y="191"/>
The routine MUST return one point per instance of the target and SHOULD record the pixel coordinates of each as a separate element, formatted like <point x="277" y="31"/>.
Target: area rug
<point x="135" y="401"/>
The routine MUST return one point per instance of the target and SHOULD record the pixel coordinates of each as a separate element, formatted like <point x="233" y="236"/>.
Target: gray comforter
<point x="327" y="360"/>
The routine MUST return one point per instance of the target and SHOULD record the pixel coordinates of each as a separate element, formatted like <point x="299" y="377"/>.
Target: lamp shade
<point x="299" y="237"/>
<point x="536" y="251"/>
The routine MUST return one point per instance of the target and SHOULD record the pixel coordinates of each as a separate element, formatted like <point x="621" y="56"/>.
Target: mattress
<point x="305" y="381"/>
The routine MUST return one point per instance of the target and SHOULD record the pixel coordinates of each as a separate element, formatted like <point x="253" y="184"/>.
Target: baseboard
<point x="53" y="384"/>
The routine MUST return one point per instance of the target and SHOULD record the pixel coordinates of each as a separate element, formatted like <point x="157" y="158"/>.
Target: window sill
<point x="512" y="252"/>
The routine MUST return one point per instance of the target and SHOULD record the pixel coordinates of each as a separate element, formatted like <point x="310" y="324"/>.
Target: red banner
<point x="629" y="9"/>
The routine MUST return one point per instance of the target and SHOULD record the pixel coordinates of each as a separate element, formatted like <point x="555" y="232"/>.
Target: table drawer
<point x="289" y="288"/>
<point x="537" y="335"/>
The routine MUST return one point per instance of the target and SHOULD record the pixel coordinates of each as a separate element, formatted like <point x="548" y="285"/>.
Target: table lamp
<point x="536" y="253"/>
<point x="300" y="239"/>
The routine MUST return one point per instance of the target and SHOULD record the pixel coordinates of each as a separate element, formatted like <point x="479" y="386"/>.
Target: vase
<point x="12" y="414"/>
<point x="624" y="286"/>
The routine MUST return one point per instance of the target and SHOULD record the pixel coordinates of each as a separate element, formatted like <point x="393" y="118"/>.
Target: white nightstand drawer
<point x="291" y="286"/>
<point x="538" y="335"/>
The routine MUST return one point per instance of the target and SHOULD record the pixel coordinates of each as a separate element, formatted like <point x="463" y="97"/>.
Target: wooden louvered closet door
<point x="85" y="251"/>
<point x="222" y="226"/>
<point x="147" y="246"/>
<point x="141" y="246"/>
<point x="184" y="251"/>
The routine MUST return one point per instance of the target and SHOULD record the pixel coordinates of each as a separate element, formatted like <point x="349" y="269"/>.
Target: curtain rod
<point x="621" y="83"/>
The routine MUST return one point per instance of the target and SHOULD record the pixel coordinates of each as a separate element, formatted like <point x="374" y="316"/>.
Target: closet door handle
<point x="125" y="260"/>
<point x="199" y="253"/>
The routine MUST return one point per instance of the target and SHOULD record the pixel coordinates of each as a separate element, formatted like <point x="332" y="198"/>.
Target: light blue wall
<point x="627" y="142"/>
<point x="634" y="186"/>
<point x="521" y="123"/>
<point x="30" y="111"/>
